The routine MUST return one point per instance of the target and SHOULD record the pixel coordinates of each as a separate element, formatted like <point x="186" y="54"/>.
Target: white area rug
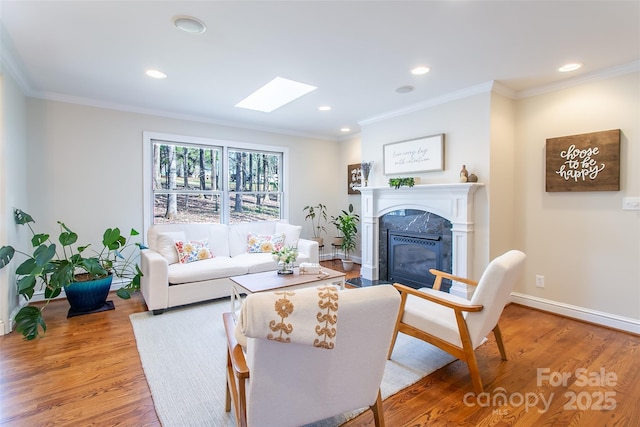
<point x="183" y="353"/>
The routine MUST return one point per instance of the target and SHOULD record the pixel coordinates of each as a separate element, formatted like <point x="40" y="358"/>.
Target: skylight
<point x="275" y="94"/>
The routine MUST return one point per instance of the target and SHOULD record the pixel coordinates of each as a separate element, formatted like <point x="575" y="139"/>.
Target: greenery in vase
<point x="54" y="268"/>
<point x="286" y="255"/>
<point x="346" y="223"/>
<point x="318" y="216"/>
<point x="399" y="182"/>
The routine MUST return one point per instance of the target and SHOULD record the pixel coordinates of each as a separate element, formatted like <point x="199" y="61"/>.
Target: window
<point x="192" y="180"/>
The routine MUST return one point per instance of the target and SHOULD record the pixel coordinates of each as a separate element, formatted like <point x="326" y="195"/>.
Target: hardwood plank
<point x="87" y="371"/>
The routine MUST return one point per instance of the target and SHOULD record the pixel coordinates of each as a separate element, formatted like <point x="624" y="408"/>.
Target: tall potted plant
<point x="318" y="216"/>
<point x="347" y="223"/>
<point x="83" y="273"/>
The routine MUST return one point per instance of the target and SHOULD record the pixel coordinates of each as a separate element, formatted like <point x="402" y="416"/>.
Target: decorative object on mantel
<point x="472" y="178"/>
<point x="354" y="178"/>
<point x="414" y="155"/>
<point x="464" y="174"/>
<point x="585" y="162"/>
<point x="285" y="257"/>
<point x="399" y="182"/>
<point x="366" y="169"/>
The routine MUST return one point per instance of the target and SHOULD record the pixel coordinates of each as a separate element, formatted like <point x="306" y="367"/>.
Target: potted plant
<point x="318" y="216"/>
<point x="83" y="273"/>
<point x="347" y="223"/>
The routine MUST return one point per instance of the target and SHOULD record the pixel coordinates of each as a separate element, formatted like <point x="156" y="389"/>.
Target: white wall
<point x="13" y="189"/>
<point x="465" y="123"/>
<point x="86" y="165"/>
<point x="585" y="245"/>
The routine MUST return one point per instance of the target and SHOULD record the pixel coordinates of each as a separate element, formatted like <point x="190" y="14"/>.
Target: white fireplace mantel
<point x="451" y="201"/>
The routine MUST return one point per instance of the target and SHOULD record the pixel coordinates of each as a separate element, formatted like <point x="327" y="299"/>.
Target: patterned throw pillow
<point x="264" y="244"/>
<point x="191" y="251"/>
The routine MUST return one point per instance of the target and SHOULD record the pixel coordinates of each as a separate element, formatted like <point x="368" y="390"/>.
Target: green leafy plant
<point x="55" y="268"/>
<point x="318" y="216"/>
<point x="347" y="223"/>
<point x="399" y="182"/>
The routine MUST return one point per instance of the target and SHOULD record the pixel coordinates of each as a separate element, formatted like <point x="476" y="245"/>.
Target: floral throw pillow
<point x="264" y="244"/>
<point x="191" y="251"/>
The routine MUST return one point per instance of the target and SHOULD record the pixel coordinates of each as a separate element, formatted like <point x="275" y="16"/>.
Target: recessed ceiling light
<point x="275" y="94"/>
<point x="324" y="108"/>
<point x="569" y="67"/>
<point x="405" y="89"/>
<point x="156" y="74"/>
<point x="418" y="71"/>
<point x="345" y="129"/>
<point x="189" y="24"/>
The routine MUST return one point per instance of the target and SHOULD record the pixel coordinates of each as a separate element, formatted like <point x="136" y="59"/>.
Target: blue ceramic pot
<point x="88" y="296"/>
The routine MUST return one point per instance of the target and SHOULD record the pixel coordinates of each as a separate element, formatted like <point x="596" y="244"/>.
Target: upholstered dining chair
<point x="333" y="365"/>
<point x="455" y="324"/>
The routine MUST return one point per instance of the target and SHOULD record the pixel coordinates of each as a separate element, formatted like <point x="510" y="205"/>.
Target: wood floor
<point x="86" y="371"/>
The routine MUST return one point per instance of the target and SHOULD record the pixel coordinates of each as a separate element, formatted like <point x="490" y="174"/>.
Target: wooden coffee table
<point x="272" y="281"/>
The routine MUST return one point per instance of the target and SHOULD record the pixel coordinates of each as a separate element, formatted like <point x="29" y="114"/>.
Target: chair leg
<point x="476" y="379"/>
<point x="378" y="413"/>
<point x="498" y="335"/>
<point x="403" y="300"/>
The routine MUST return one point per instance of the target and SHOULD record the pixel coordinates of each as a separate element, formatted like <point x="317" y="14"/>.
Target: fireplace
<point x="410" y="256"/>
<point x="453" y="202"/>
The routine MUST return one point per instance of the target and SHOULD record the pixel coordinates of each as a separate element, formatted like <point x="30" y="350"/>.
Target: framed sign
<point x="586" y="162"/>
<point x="354" y="178"/>
<point x="415" y="155"/>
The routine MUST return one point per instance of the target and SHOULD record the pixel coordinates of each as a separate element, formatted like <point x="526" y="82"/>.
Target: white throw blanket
<point x="306" y="316"/>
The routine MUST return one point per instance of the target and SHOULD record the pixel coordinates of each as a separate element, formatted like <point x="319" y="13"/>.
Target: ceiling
<point x="356" y="52"/>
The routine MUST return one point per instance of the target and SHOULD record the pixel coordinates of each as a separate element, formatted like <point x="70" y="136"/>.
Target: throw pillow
<point x="166" y="245"/>
<point x="291" y="233"/>
<point x="264" y="243"/>
<point x="191" y="251"/>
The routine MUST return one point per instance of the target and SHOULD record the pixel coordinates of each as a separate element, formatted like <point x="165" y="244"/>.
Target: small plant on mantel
<point x="399" y="182"/>
<point x="55" y="269"/>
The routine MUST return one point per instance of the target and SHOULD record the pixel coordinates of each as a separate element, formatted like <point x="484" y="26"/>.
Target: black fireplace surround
<point x="412" y="242"/>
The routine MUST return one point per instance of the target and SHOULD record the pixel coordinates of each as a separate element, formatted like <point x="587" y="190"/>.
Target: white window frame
<point x="148" y="138"/>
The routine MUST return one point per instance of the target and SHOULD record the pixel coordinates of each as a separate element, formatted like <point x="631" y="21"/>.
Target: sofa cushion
<point x="256" y="263"/>
<point x="166" y="244"/>
<point x="219" y="239"/>
<point x="208" y="269"/>
<point x="268" y="243"/>
<point x="193" y="250"/>
<point x="291" y="233"/>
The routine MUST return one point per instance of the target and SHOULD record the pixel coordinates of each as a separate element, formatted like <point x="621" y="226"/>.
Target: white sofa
<point x="168" y="283"/>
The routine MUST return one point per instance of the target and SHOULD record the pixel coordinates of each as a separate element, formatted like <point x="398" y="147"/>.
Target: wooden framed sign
<point x="416" y="155"/>
<point x="586" y="162"/>
<point x="354" y="178"/>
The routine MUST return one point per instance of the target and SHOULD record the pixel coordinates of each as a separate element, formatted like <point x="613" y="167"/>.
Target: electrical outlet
<point x="539" y="281"/>
<point x="631" y="203"/>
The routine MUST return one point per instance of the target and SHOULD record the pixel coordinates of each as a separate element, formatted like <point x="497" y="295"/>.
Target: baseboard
<point x="592" y="316"/>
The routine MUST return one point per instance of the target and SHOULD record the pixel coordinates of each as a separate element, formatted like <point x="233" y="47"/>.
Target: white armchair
<point x="454" y="324"/>
<point x="292" y="384"/>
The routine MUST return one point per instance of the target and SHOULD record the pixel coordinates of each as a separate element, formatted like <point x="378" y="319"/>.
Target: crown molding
<point x="608" y="73"/>
<point x="452" y="96"/>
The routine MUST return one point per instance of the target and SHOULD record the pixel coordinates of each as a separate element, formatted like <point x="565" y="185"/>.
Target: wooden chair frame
<point x="464" y="353"/>
<point x="238" y="373"/>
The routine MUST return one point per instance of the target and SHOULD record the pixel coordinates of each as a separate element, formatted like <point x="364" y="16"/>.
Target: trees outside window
<point x="214" y="184"/>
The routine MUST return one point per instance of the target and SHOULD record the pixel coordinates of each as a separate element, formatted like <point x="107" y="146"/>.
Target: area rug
<point x="183" y="354"/>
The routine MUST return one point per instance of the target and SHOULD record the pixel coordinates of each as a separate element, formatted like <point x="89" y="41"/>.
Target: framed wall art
<point x="354" y="178"/>
<point x="586" y="162"/>
<point x="415" y="155"/>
